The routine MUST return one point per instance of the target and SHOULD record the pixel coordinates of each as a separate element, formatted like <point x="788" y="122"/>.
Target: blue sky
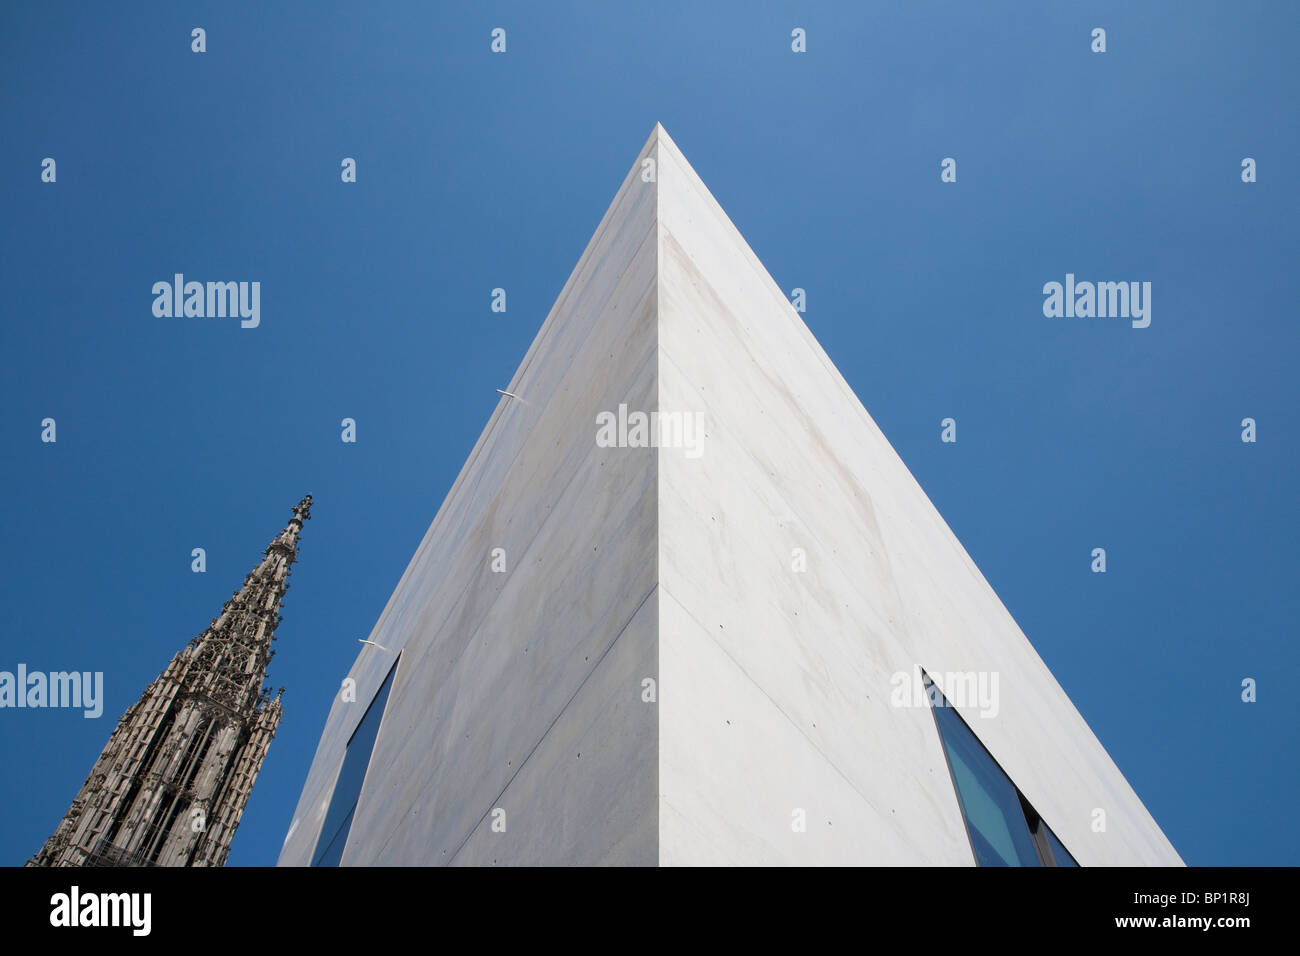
<point x="478" y="170"/>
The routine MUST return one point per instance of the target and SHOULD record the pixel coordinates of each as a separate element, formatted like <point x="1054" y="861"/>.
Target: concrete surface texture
<point x="693" y="654"/>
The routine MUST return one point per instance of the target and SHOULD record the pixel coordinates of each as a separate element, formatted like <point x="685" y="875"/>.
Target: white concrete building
<point x="704" y="652"/>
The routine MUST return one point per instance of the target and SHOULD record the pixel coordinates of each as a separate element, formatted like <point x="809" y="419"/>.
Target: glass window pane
<point x="1059" y="852"/>
<point x="347" y="788"/>
<point x="989" y="801"/>
<point x="332" y="855"/>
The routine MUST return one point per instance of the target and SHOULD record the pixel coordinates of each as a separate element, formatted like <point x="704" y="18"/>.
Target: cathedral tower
<point x="171" y="784"/>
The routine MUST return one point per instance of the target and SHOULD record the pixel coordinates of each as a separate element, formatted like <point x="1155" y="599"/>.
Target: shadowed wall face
<point x="516" y="730"/>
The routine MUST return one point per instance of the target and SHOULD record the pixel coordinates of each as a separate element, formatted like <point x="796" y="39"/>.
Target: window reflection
<point x="347" y="788"/>
<point x="1004" y="829"/>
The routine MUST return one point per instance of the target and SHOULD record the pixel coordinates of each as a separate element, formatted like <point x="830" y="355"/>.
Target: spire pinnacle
<point x="288" y="538"/>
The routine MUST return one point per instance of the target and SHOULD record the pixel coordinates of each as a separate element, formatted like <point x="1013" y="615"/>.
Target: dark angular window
<point x="347" y="788"/>
<point x="1051" y="849"/>
<point x="1004" y="829"/>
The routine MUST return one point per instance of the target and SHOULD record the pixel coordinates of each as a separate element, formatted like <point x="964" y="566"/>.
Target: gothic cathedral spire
<point x="173" y="780"/>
